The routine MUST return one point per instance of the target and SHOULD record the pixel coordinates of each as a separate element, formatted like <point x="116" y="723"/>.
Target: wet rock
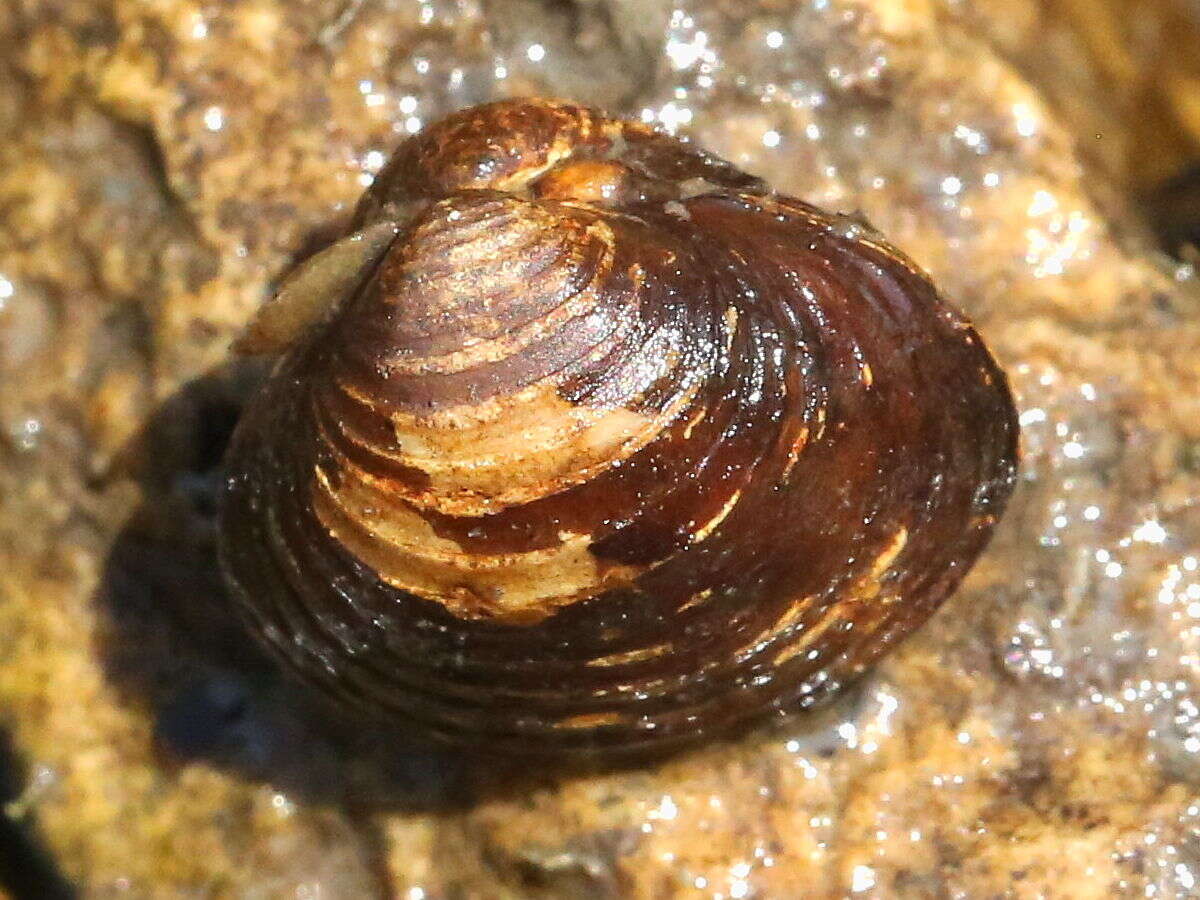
<point x="165" y="165"/>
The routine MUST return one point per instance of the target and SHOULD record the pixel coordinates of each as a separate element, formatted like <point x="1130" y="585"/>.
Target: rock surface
<point x="166" y="162"/>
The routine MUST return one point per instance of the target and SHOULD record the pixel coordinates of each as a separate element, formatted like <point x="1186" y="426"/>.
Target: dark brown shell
<point x="613" y="448"/>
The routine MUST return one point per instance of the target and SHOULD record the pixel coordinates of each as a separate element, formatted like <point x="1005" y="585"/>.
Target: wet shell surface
<point x="586" y="441"/>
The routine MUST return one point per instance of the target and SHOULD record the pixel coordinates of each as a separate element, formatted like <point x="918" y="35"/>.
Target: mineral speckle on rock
<point x="164" y="165"/>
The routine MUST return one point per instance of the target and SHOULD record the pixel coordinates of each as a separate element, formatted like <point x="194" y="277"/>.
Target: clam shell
<point x="610" y="448"/>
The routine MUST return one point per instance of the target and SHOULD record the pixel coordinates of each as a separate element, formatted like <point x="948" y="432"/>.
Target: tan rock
<point x="165" y="163"/>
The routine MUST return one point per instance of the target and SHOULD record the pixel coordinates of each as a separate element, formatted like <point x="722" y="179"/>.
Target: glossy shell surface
<point x="604" y="446"/>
